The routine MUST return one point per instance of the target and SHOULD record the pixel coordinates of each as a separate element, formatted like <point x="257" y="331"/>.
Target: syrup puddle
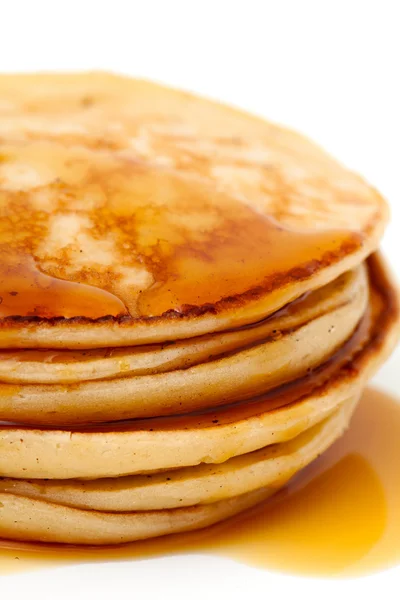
<point x="339" y="517"/>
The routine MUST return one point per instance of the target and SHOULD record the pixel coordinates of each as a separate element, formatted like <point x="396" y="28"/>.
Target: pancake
<point x="133" y="214"/>
<point x="28" y="516"/>
<point x="260" y="366"/>
<point x="74" y="366"/>
<point x="35" y="520"/>
<point x="214" y="436"/>
<point x="268" y="467"/>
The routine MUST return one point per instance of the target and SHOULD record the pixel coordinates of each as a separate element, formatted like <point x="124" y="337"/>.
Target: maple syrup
<point x="101" y="235"/>
<point x="339" y="516"/>
<point x="26" y="291"/>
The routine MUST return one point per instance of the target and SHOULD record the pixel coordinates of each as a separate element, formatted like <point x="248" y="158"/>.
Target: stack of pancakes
<point x="191" y="303"/>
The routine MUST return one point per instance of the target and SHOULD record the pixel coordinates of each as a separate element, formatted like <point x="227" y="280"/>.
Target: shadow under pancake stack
<point x="191" y="303"/>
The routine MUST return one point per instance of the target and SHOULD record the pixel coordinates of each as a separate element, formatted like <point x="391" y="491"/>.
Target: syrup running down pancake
<point x="191" y="303"/>
<point x="162" y="213"/>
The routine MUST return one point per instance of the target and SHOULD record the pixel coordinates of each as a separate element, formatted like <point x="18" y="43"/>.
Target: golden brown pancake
<point x="191" y="304"/>
<point x="205" y="483"/>
<point x="33" y="520"/>
<point x="39" y="516"/>
<point x="144" y="214"/>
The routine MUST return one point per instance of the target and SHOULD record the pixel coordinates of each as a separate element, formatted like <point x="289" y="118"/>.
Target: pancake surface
<point x="162" y="212"/>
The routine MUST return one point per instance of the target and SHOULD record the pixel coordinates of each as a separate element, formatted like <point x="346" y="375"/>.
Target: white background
<point x="328" y="68"/>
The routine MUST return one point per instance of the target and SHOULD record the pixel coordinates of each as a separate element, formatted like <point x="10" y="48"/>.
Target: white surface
<point x="329" y="69"/>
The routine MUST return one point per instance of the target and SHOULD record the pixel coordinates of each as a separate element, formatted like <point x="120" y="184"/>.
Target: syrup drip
<point x="338" y="517"/>
<point x="26" y="291"/>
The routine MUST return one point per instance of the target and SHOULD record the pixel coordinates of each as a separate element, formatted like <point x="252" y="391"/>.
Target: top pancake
<point x="131" y="213"/>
